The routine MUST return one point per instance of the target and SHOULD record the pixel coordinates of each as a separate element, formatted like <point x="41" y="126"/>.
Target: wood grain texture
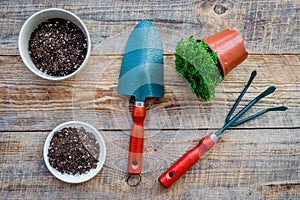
<point x="257" y="160"/>
<point x="263" y="167"/>
<point x="30" y="103"/>
<point x="269" y="27"/>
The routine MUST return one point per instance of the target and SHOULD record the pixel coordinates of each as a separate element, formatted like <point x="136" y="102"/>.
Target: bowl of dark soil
<point x="74" y="152"/>
<point x="54" y="44"/>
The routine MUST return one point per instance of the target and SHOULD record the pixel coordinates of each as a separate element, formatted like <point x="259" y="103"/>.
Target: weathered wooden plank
<point x="268" y="27"/>
<point x="259" y="160"/>
<point x="242" y="165"/>
<point x="30" y="103"/>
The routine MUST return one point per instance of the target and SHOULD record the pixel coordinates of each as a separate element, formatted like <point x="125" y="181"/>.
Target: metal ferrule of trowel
<point x="141" y="76"/>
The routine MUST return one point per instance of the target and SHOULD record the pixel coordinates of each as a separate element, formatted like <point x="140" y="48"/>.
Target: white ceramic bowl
<point x="78" y="178"/>
<point x="32" y="23"/>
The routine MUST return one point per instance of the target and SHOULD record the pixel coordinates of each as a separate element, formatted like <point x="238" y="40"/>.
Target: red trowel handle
<point x="186" y="161"/>
<point x="136" y="145"/>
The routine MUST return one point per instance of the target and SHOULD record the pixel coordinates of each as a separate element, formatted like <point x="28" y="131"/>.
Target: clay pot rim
<point x="219" y="63"/>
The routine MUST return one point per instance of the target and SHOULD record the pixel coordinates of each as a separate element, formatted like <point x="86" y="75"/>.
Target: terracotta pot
<point x="230" y="48"/>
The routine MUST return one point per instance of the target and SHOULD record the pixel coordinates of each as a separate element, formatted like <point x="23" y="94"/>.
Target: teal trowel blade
<point x="142" y="73"/>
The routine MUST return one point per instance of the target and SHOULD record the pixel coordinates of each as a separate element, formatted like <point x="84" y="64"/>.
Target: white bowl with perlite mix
<point x="74" y="152"/>
<point x="35" y="64"/>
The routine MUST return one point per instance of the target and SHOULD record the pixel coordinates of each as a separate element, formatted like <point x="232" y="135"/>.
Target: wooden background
<point x="258" y="160"/>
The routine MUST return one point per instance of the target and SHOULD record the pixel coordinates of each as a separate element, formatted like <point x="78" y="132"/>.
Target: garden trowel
<point x="141" y="76"/>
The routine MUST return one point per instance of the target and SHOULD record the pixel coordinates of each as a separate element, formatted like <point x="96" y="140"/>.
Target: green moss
<point x="199" y="66"/>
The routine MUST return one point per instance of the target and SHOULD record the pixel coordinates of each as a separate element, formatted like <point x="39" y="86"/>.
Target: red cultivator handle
<point x="136" y="144"/>
<point x="187" y="161"/>
<point x="206" y="143"/>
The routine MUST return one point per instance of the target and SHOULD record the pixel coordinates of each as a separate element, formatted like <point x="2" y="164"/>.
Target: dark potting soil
<point x="73" y="151"/>
<point x="57" y="47"/>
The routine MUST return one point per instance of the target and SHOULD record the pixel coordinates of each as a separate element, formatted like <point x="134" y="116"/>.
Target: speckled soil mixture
<point x="57" y="47"/>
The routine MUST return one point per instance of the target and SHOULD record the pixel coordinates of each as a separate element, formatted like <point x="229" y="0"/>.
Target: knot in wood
<point x="220" y="9"/>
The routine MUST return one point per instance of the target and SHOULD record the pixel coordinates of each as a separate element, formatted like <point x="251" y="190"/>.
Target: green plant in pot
<point x="204" y="64"/>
